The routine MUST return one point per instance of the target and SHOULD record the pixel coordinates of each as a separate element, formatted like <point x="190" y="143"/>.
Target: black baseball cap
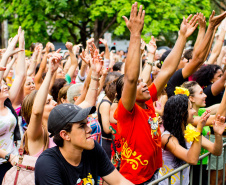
<point x="66" y="113"/>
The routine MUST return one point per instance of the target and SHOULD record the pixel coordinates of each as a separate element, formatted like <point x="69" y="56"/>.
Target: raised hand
<point x="92" y="48"/>
<point x="215" y="21"/>
<point x="76" y="48"/>
<point x="21" y="40"/>
<point x="49" y="46"/>
<point x="89" y="41"/>
<point x="203" y="119"/>
<point x="151" y="46"/>
<point x="201" y="20"/>
<point x="85" y="57"/>
<point x="142" y="46"/>
<point x="69" y="46"/>
<point x="97" y="62"/>
<point x="219" y="125"/>
<point x="11" y="50"/>
<point x="103" y="41"/>
<point x="54" y="60"/>
<point x="188" y="27"/>
<point x="136" y="21"/>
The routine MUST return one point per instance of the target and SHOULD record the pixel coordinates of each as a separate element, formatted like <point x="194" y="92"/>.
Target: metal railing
<point x="181" y="168"/>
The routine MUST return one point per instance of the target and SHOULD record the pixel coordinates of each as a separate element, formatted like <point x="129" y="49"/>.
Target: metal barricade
<point x="181" y="168"/>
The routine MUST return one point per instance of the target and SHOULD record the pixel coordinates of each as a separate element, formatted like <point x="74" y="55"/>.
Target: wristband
<point x="94" y="78"/>
<point x="151" y="63"/>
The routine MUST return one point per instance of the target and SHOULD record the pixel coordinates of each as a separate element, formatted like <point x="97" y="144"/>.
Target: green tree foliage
<point x="76" y="20"/>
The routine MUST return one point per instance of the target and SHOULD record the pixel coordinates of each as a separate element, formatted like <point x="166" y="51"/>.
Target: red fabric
<point x="141" y="153"/>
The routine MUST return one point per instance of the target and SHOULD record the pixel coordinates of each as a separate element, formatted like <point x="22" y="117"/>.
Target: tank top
<point x="168" y="166"/>
<point x="100" y="120"/>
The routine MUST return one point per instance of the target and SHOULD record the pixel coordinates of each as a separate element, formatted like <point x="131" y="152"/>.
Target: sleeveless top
<point x="8" y="123"/>
<point x="100" y="120"/>
<point x="168" y="166"/>
<point x="51" y="144"/>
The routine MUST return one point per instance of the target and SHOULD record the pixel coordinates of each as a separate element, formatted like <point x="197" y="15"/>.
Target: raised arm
<point x="38" y="77"/>
<point x="34" y="130"/>
<point x="151" y="47"/>
<point x="202" y="29"/>
<point x="9" y="66"/>
<point x="221" y="56"/>
<point x="132" y="66"/>
<point x="20" y="69"/>
<point x="200" y="52"/>
<point x="74" y="61"/>
<point x="34" y="58"/>
<point x="218" y="46"/>
<point x="11" y="50"/>
<point x="91" y="96"/>
<point x="218" y="127"/>
<point x="190" y="156"/>
<point x="218" y="86"/>
<point x="171" y="62"/>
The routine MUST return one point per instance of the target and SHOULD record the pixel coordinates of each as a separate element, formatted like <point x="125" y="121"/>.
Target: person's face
<point x="4" y="90"/>
<point x="60" y="73"/>
<point x="29" y="86"/>
<point x="49" y="105"/>
<point x="143" y="93"/>
<point x="80" y="136"/>
<point x="217" y="75"/>
<point x="191" y="113"/>
<point x="199" y="98"/>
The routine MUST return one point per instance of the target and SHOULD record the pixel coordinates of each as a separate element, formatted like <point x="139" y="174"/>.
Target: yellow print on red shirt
<point x="127" y="154"/>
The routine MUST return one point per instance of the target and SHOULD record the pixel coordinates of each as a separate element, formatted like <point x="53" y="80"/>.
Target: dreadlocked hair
<point x="175" y="118"/>
<point x="119" y="87"/>
<point x="205" y="74"/>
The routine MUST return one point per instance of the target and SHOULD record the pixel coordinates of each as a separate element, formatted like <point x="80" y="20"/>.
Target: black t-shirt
<point x="52" y="168"/>
<point x="176" y="80"/>
<point x="211" y="99"/>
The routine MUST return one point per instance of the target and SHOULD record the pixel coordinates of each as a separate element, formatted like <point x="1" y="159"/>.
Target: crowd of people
<point x="127" y="117"/>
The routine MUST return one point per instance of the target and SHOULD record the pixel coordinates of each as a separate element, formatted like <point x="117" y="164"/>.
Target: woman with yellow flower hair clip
<point x="197" y="98"/>
<point x="181" y="142"/>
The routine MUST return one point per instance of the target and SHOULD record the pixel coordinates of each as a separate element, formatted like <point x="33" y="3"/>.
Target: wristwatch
<point x="7" y="156"/>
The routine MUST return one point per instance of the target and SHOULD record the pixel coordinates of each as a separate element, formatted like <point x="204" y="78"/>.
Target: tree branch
<point x="219" y="5"/>
<point x="108" y="26"/>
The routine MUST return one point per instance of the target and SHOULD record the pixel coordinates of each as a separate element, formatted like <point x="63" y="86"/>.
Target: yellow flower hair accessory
<point x="181" y="90"/>
<point x="190" y="133"/>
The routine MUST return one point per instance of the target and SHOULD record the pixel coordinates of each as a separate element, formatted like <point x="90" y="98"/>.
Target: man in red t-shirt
<point x="141" y="154"/>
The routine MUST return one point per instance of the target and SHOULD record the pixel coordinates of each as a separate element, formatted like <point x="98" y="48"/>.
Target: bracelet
<point x="151" y="63"/>
<point x="95" y="78"/>
<point x="95" y="89"/>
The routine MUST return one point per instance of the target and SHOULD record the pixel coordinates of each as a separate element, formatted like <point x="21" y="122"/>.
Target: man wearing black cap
<point x="77" y="158"/>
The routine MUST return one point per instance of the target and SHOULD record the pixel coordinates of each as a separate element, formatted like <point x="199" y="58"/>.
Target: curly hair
<point x="175" y="118"/>
<point x="205" y="74"/>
